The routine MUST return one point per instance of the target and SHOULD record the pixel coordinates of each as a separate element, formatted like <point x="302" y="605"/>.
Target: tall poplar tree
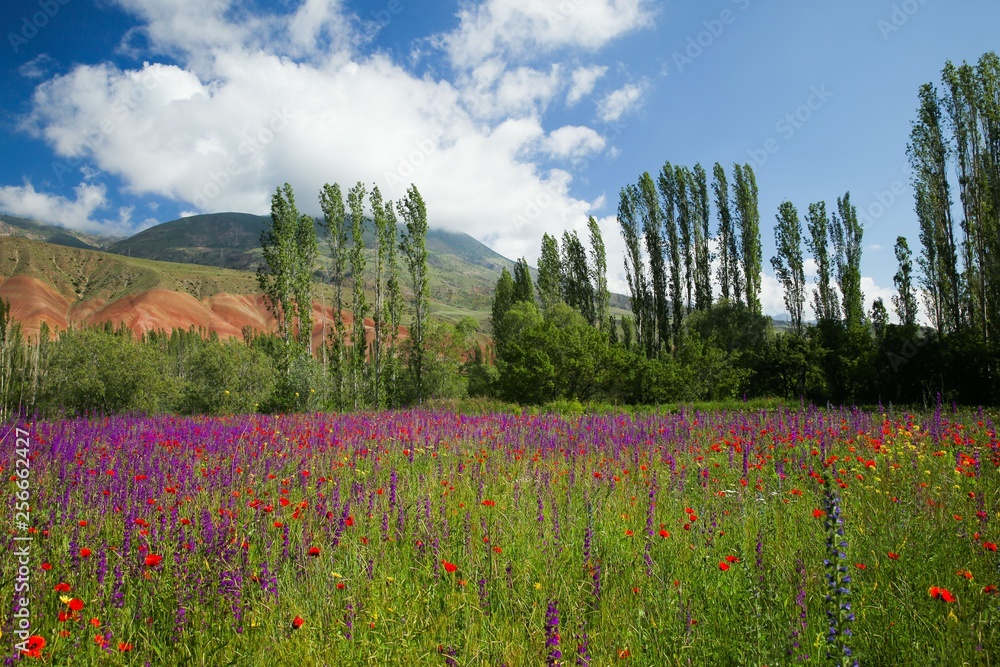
<point x="334" y="225"/>
<point x="549" y="274"/>
<point x="669" y="195"/>
<point x="635" y="266"/>
<point x="905" y="301"/>
<point x="702" y="254"/>
<point x="729" y="255"/>
<point x="928" y="155"/>
<point x="685" y="227"/>
<point x="747" y="219"/>
<point x="379" y="287"/>
<point x="413" y="211"/>
<point x="356" y="202"/>
<point x="824" y="297"/>
<point x="524" y="289"/>
<point x="847" y="235"/>
<point x="656" y="323"/>
<point x="599" y="267"/>
<point x="788" y="263"/>
<point x="578" y="292"/>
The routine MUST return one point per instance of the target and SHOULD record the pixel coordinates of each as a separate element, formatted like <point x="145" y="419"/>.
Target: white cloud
<point x="38" y="67"/>
<point x="574" y="141"/>
<point x="77" y="213"/>
<point x="256" y="100"/>
<point x="619" y="102"/>
<point x="522" y="27"/>
<point x="584" y="80"/>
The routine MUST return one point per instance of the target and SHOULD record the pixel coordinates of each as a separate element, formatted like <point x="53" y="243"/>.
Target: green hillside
<point x="463" y="270"/>
<point x="12" y="225"/>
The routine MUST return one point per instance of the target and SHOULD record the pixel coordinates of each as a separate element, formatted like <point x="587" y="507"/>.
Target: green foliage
<point x="227" y="378"/>
<point x="94" y="371"/>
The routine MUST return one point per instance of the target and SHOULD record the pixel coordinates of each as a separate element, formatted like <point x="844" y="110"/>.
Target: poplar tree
<point x="656" y="322"/>
<point x="747" y="224"/>
<point x="504" y="296"/>
<point x="847" y="235"/>
<point x="393" y="315"/>
<point x="685" y="227"/>
<point x="549" y="274"/>
<point x="729" y="257"/>
<point x="356" y="202"/>
<point x="905" y="301"/>
<point x="788" y="264"/>
<point x="668" y="190"/>
<point x="599" y="264"/>
<point x="335" y="228"/>
<point x="824" y="297"/>
<point x="635" y="268"/>
<point x="702" y="255"/>
<point x="379" y="284"/>
<point x="524" y="289"/>
<point x="414" y="247"/>
<point x="577" y="289"/>
<point x="928" y="155"/>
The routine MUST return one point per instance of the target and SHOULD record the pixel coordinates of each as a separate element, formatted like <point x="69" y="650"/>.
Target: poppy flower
<point x="297" y="622"/>
<point x="46" y="566"/>
<point x="96" y="622"/>
<point x="893" y="555"/>
<point x="818" y="513"/>
<point x="990" y="590"/>
<point x="990" y="546"/>
<point x="723" y="565"/>
<point x="33" y="646"/>
<point x="153" y="560"/>
<point x="314" y="551"/>
<point x="123" y="647"/>
<point x="76" y="604"/>
<point x="340" y="585"/>
<point x="85" y="552"/>
<point x="449" y="567"/>
<point x="732" y="559"/>
<point x="664" y="533"/>
<point x="941" y="594"/>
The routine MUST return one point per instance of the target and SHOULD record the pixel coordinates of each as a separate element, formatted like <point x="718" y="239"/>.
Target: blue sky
<point x="514" y="117"/>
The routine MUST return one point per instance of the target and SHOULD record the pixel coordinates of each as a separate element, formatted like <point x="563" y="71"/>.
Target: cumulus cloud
<point x="523" y="27"/>
<point x="253" y="100"/>
<point x="38" y="67"/>
<point x="584" y="80"/>
<point x="574" y="141"/>
<point x="619" y="102"/>
<point x="76" y="213"/>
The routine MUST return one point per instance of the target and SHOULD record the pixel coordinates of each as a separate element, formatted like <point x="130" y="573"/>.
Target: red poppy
<point x="33" y="646"/>
<point x="990" y="546"/>
<point x="990" y="590"/>
<point x="153" y="560"/>
<point x="313" y="551"/>
<point x="732" y="559"/>
<point x="449" y="567"/>
<point x="664" y="533"/>
<point x="723" y="566"/>
<point x="46" y="566"/>
<point x="340" y="585"/>
<point x="83" y="524"/>
<point x="123" y="647"/>
<point x="297" y="622"/>
<point x="817" y="514"/>
<point x="76" y="604"/>
<point x="350" y="521"/>
<point x="489" y="503"/>
<point x="96" y="622"/>
<point x="628" y="533"/>
<point x="893" y="555"/>
<point x="861" y="566"/>
<point x="941" y="594"/>
<point x="85" y="552"/>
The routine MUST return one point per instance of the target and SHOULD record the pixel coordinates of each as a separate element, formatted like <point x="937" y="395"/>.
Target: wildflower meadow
<point x="770" y="537"/>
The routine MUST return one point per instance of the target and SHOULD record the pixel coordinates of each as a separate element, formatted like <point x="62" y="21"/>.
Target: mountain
<point x="463" y="270"/>
<point x="12" y="225"/>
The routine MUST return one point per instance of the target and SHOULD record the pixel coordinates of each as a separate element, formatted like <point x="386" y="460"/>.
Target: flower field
<point x="774" y="537"/>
